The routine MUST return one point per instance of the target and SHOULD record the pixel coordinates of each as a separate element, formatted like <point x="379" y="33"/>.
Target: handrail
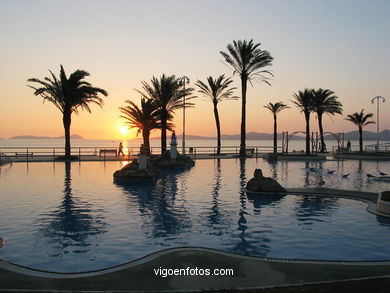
<point x="39" y="151"/>
<point x="3" y="155"/>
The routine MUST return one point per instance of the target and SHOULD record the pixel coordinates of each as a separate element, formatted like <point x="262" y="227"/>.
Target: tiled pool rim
<point x="368" y="197"/>
<point x="150" y="257"/>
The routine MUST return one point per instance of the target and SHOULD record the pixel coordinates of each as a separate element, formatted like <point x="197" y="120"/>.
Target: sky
<point x="339" y="45"/>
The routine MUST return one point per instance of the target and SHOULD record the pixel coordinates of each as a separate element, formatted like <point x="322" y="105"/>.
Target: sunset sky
<point x="339" y="45"/>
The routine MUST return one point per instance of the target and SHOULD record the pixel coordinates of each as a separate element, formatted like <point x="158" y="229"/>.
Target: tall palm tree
<point x="247" y="60"/>
<point x="360" y="120"/>
<point x="325" y="102"/>
<point x="275" y="109"/>
<point x="145" y="119"/>
<point x="304" y="102"/>
<point x="217" y="90"/>
<point x="68" y="95"/>
<point x="167" y="93"/>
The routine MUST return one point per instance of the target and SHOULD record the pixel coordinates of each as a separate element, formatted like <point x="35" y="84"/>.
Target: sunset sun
<point x="123" y="129"/>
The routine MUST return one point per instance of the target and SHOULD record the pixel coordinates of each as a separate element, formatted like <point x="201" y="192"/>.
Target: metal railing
<point x="109" y="152"/>
<point x="4" y="158"/>
<point x="384" y="147"/>
<point x="338" y="150"/>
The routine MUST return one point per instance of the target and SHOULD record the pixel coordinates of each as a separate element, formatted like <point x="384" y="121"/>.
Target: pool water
<point x="70" y="217"/>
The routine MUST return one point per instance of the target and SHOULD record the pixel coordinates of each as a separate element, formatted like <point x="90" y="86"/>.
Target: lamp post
<point x="377" y="98"/>
<point x="183" y="81"/>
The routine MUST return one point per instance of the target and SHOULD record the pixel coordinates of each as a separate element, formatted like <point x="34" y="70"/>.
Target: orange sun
<point x="123" y="129"/>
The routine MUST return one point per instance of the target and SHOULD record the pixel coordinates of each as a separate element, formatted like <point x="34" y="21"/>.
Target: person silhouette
<point x="348" y="146"/>
<point x="120" y="149"/>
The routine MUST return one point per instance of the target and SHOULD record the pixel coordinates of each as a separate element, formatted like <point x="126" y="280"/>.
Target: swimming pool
<point x="73" y="217"/>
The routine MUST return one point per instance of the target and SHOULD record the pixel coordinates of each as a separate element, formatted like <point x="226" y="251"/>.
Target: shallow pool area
<point x="72" y="217"/>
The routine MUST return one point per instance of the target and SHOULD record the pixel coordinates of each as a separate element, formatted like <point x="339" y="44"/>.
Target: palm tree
<point x="145" y="119"/>
<point x="247" y="60"/>
<point x="167" y="93"/>
<point x="217" y="90"/>
<point x="275" y="109"/>
<point x="68" y="95"/>
<point x="325" y="102"/>
<point x="304" y="102"/>
<point x="360" y="120"/>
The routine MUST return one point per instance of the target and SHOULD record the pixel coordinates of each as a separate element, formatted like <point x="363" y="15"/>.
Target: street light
<point x="377" y="98"/>
<point x="183" y="81"/>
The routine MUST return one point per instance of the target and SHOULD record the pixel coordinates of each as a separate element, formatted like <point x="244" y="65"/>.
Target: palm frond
<point x="248" y="60"/>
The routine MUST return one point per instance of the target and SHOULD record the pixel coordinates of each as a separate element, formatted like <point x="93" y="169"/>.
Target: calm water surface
<point x="73" y="217"/>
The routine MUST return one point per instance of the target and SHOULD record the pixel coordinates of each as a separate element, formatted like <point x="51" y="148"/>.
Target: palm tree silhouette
<point x="145" y="119"/>
<point x="247" y="60"/>
<point x="360" y="120"/>
<point x="304" y="101"/>
<point x="217" y="90"/>
<point x="275" y="109"/>
<point x="68" y="95"/>
<point x="167" y="93"/>
<point x="325" y="102"/>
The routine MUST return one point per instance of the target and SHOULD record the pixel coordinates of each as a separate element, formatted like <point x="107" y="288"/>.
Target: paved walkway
<point x="249" y="272"/>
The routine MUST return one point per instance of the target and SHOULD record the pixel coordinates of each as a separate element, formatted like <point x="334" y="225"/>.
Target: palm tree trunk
<point x="360" y="139"/>
<point x="243" y="116"/>
<point x="146" y="135"/>
<point x="66" y="119"/>
<point x="321" y="132"/>
<point x="307" y="118"/>
<point x="216" y="115"/>
<point x="275" y="135"/>
<point x="163" y="133"/>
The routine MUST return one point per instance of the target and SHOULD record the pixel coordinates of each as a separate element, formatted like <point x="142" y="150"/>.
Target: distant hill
<point x="74" y="136"/>
<point x="367" y="135"/>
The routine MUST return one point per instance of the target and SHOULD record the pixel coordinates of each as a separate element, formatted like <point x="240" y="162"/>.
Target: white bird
<point x="382" y="173"/>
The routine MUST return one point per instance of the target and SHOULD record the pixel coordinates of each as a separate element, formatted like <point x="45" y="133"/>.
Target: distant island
<point x="74" y="136"/>
<point x="352" y="135"/>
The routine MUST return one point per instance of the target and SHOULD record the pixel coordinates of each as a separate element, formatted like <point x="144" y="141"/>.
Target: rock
<point x="131" y="170"/>
<point x="263" y="184"/>
<point x="258" y="174"/>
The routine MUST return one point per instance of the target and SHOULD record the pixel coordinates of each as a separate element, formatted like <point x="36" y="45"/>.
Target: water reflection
<point x="160" y="204"/>
<point x="215" y="217"/>
<point x="250" y="242"/>
<point x="312" y="208"/>
<point x="5" y="168"/>
<point x="242" y="246"/>
<point x="383" y="221"/>
<point x="263" y="200"/>
<point x="72" y="223"/>
<point x="273" y="168"/>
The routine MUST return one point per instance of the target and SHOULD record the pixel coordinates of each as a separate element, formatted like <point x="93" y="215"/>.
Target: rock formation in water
<point x="132" y="170"/>
<point x="259" y="183"/>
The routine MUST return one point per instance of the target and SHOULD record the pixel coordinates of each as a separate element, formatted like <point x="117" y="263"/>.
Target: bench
<point x="24" y="155"/>
<point x="107" y="151"/>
